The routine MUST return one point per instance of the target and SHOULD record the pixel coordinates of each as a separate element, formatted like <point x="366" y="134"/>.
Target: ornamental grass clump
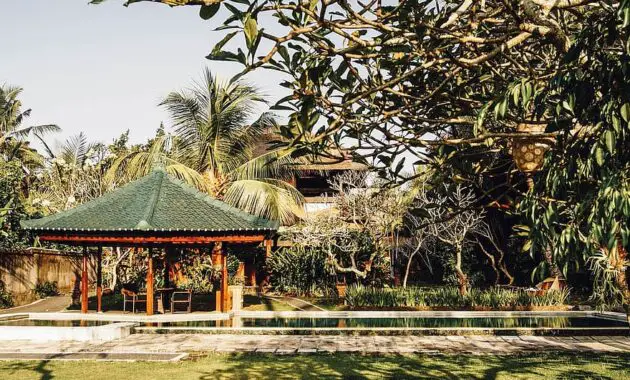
<point x="550" y="298"/>
<point x="446" y="297"/>
<point x="359" y="296"/>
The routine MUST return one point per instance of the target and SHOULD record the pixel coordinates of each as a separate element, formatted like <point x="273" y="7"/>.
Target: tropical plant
<point x="46" y="289"/>
<point x="216" y="147"/>
<point x="12" y="208"/>
<point x="356" y="236"/>
<point x="301" y="271"/>
<point x="6" y="299"/>
<point x="13" y="144"/>
<point x="73" y="175"/>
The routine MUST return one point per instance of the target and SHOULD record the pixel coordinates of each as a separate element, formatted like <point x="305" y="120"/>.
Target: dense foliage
<point x="12" y="208"/>
<point x="301" y="271"/>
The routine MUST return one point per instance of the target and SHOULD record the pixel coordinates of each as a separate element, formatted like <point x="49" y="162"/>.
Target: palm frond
<point x="268" y="198"/>
<point x="47" y="148"/>
<point x="40" y="129"/>
<point x="277" y="163"/>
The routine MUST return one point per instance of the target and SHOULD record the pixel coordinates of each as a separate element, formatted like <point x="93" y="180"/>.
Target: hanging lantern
<point x="529" y="151"/>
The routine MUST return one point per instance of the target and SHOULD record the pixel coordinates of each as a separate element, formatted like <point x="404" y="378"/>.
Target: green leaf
<point x="527" y="246"/>
<point x="599" y="156"/>
<point x="625" y="112"/>
<point x="207" y="11"/>
<point x="217" y="48"/>
<point x="610" y="140"/>
<point x="251" y="30"/>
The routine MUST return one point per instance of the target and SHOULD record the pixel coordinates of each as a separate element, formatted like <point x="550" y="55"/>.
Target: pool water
<point x="497" y="322"/>
<point x="53" y="323"/>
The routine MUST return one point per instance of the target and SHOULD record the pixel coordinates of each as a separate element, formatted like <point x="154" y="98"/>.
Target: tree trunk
<point x="622" y="280"/>
<point x="553" y="268"/>
<point x="407" y="268"/>
<point x="462" y="279"/>
<point x="493" y="262"/>
<point x="505" y="272"/>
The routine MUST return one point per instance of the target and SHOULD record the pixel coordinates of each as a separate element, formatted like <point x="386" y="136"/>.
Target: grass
<point x="255" y="303"/>
<point x="258" y="366"/>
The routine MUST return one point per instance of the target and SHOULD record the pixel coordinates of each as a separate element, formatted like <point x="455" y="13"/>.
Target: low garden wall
<point x="22" y="270"/>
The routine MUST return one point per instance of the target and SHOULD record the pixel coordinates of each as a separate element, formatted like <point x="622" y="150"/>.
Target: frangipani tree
<point x="74" y="173"/>
<point x="356" y="233"/>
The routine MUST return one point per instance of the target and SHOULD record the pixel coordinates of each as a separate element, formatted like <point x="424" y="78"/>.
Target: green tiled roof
<point x="156" y="202"/>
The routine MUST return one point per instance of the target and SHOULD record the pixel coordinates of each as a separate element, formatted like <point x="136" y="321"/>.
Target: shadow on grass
<point x="525" y="366"/>
<point x="319" y="366"/>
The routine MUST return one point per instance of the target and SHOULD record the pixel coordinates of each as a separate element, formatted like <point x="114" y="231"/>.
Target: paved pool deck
<point x="195" y="344"/>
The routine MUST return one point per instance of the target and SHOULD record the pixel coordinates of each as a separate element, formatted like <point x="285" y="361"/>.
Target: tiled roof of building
<point x="156" y="202"/>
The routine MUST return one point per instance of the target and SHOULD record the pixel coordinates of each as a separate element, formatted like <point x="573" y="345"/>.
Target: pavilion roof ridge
<point x="147" y="221"/>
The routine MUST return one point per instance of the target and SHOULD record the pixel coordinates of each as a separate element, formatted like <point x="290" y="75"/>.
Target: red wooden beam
<point x="148" y="240"/>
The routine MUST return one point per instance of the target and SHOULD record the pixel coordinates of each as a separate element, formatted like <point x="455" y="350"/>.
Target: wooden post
<point x="250" y="271"/>
<point x="266" y="279"/>
<point x="268" y="244"/>
<point x="224" y="282"/>
<point x="167" y="266"/>
<point x="150" y="278"/>
<point x="99" y="280"/>
<point x="84" y="282"/>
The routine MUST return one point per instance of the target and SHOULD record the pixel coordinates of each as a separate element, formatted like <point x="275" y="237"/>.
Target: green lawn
<point x="249" y="366"/>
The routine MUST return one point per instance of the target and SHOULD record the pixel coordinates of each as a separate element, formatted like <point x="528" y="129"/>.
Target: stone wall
<point x="22" y="270"/>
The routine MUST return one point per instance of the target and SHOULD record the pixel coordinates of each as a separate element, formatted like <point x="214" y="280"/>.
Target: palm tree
<point x="13" y="144"/>
<point x="215" y="148"/>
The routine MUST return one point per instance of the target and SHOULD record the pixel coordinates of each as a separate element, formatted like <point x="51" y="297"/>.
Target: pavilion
<point x="154" y="212"/>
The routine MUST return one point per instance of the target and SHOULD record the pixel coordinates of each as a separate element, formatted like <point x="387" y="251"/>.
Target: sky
<point x="103" y="69"/>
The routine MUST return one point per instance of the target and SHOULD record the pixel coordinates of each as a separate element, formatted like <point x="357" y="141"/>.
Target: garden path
<point x="137" y="345"/>
<point x="49" y="304"/>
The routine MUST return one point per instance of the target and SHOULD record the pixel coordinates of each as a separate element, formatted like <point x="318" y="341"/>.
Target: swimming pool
<point x="59" y="327"/>
<point x="397" y="323"/>
<point x="453" y="322"/>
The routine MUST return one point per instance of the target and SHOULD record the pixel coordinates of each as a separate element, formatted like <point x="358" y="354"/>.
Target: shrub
<point x="301" y="271"/>
<point x="449" y="297"/>
<point x="199" y="273"/>
<point x="46" y="289"/>
<point x="6" y="299"/>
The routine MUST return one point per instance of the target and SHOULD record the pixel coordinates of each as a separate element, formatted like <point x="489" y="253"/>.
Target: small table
<point x="163" y="296"/>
